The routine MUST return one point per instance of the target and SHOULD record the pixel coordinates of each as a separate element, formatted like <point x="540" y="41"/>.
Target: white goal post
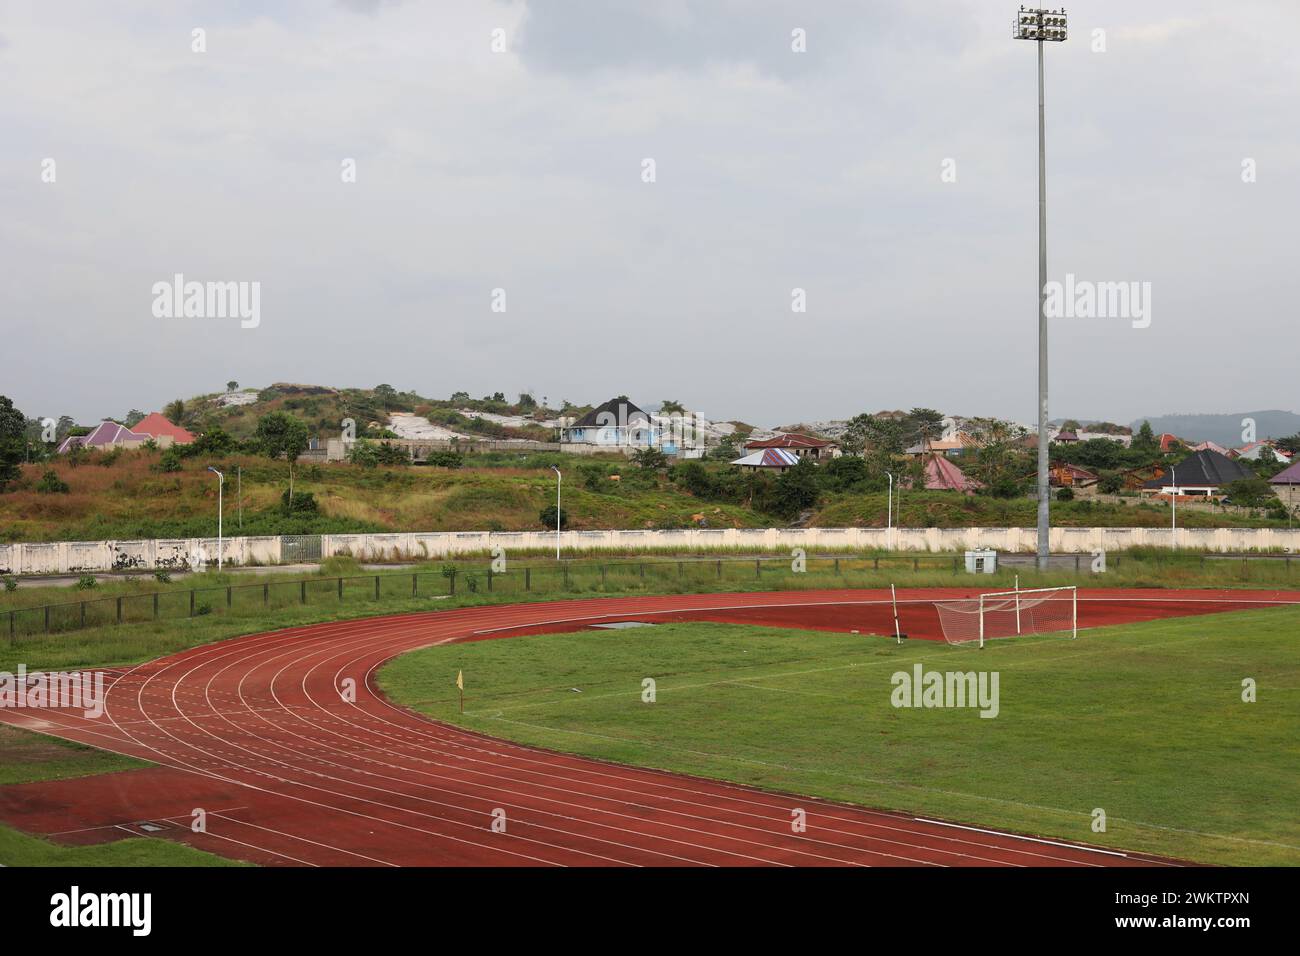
<point x="1010" y="614"/>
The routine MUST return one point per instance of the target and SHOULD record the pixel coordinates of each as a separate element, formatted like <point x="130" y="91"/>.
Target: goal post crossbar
<point x="1009" y="614"/>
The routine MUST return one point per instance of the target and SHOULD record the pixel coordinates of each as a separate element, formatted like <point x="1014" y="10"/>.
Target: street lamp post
<point x="1173" y="507"/>
<point x="889" y="519"/>
<point x="221" y="486"/>
<point x="1042" y="26"/>
<point x="558" y="479"/>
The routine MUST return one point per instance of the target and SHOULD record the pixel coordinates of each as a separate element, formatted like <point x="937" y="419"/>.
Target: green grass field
<point x="1143" y="721"/>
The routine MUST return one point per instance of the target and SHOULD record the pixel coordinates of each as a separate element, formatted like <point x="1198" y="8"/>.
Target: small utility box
<point x="984" y="561"/>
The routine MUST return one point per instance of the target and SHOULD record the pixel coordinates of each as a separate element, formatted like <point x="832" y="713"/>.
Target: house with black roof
<point x="1203" y="474"/>
<point x="617" y="423"/>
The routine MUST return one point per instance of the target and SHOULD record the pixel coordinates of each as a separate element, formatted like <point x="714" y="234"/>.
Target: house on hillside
<point x="617" y="423"/>
<point x="950" y="446"/>
<point x="1064" y="475"/>
<point x="158" y="428"/>
<point x="105" y="437"/>
<point x="1201" y="474"/>
<point x="943" y="475"/>
<point x="1067" y="438"/>
<point x="1212" y="446"/>
<point x="804" y="446"/>
<point x="776" y="460"/>
<point x="1253" y="451"/>
<point x="1286" y="484"/>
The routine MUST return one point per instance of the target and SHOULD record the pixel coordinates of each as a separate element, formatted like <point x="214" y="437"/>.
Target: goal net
<point x="1009" y="614"/>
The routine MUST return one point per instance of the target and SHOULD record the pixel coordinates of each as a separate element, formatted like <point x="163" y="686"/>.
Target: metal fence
<point x="516" y="579"/>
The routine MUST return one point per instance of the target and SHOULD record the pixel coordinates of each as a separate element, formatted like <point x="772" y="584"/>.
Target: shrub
<point x="203" y="607"/>
<point x="162" y="576"/>
<point x="1065" y="494"/>
<point x="170" y="460"/>
<point x="86" y="582"/>
<point x="547" y="517"/>
<point x="11" y="584"/>
<point x="303" y="503"/>
<point x="445" y="459"/>
<point x="52" y="484"/>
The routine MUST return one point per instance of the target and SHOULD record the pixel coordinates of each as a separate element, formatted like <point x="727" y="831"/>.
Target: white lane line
<point x="1017" y="836"/>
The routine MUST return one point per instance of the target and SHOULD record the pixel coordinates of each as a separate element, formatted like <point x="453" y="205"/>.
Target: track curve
<point x="254" y="731"/>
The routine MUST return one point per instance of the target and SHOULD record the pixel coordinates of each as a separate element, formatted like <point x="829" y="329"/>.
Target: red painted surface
<point x="254" y="731"/>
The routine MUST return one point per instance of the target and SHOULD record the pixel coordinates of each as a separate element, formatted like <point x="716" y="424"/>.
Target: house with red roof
<point x="805" y="446"/>
<point x="943" y="475"/>
<point x="162" y="431"/>
<point x="769" y="459"/>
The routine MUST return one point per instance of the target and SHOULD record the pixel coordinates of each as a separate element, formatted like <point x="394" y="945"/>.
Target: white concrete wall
<point x="75" y="557"/>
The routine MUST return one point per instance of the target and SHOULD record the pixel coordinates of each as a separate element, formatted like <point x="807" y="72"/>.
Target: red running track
<point x="254" y="731"/>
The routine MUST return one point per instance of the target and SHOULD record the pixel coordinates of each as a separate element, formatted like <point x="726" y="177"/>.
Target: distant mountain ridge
<point x="1224" y="429"/>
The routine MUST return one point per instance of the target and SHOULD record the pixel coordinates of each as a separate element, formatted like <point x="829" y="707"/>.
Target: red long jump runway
<point x="255" y="732"/>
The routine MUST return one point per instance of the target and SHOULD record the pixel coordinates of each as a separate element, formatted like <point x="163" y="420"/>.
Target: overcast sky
<point x="774" y="170"/>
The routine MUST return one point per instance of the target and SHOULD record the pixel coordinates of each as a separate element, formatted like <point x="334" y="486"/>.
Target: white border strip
<point x="1017" y="836"/>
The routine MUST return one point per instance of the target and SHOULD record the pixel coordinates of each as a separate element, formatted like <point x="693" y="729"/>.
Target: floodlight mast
<point x="1042" y="26"/>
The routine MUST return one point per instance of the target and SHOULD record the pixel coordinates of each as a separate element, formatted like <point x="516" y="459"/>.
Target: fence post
<point x="528" y="579"/>
<point x="758" y="568"/>
<point x="340" y="587"/>
<point x="376" y="587"/>
<point x="719" y="569"/>
<point x="13" y="632"/>
<point x="489" y="576"/>
<point x="266" y="594"/>
<point x="155" y="605"/>
<point x="566" y="576"/>
<point x="47" y="619"/>
<point x="679" y="570"/>
<point x="875" y="563"/>
<point x="191" y="602"/>
<point x="302" y="592"/>
<point x="83" y="613"/>
<point x="227" y="597"/>
<point x="119" y="610"/>
<point x="1076" y="564"/>
<point x="642" y="567"/>
<point x="837" y="565"/>
<point x="413" y="584"/>
<point x="915" y="563"/>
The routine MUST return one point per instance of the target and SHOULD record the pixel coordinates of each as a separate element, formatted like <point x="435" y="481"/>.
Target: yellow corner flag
<point x="460" y="680"/>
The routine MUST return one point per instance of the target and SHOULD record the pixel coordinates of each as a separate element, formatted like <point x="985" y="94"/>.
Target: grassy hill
<point x="128" y="496"/>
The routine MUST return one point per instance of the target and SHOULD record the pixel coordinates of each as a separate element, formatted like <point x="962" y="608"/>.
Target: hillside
<point x="1224" y="429"/>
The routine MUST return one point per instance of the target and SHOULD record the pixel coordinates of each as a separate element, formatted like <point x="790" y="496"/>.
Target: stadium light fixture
<point x="1042" y="26"/>
<point x="221" y="486"/>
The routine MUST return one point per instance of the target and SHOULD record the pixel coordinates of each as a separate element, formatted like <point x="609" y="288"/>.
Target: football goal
<point x="1010" y="614"/>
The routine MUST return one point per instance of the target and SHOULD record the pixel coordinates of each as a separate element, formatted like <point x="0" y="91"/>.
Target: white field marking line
<point x="581" y="793"/>
<point x="864" y="816"/>
<point x="427" y="800"/>
<point x="387" y="636"/>
<point x="302" y="839"/>
<point x="373" y="638"/>
<point x="1096" y="652"/>
<point x="1017" y="836"/>
<point x="303" y="769"/>
<point x="262" y="849"/>
<point x="125" y="823"/>
<point x="228" y="764"/>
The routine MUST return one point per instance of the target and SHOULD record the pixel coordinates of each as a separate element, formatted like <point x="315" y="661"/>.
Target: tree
<point x="52" y="484"/>
<point x="670" y="407"/>
<point x="174" y="411"/>
<point x="795" y="490"/>
<point x="547" y="517"/>
<point x="650" y="459"/>
<point x="1290" y="444"/>
<point x="1249" y="492"/>
<point x="527" y="402"/>
<point x="232" y="386"/>
<point x="279" y="435"/>
<point x="13" y="441"/>
<point x="133" y="417"/>
<point x="386" y="395"/>
<point x="1145" y="439"/>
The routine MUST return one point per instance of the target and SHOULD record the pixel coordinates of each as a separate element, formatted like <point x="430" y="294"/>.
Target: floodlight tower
<point x="1041" y="26"/>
